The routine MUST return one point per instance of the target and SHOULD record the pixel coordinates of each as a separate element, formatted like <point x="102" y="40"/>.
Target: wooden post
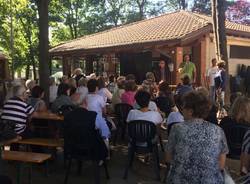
<point x="66" y="66"/>
<point x="89" y="65"/>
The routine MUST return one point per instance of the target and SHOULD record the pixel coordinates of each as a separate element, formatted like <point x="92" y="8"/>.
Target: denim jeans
<point x="212" y="92"/>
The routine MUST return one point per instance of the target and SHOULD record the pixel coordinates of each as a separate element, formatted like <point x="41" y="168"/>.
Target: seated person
<point x="29" y="85"/>
<point x="18" y="112"/>
<point x="63" y="98"/>
<point x="212" y="116"/>
<point x="74" y="96"/>
<point x="175" y="116"/>
<point x="95" y="102"/>
<point x="112" y="84"/>
<point x="165" y="99"/>
<point x="151" y="106"/>
<point x="142" y="99"/>
<point x="239" y="116"/>
<point x="245" y="154"/>
<point x="103" y="90"/>
<point x="129" y="95"/>
<point x="90" y="120"/>
<point x="149" y="84"/>
<point x="116" y="98"/>
<point x="82" y="88"/>
<point x="185" y="87"/>
<point x="36" y="101"/>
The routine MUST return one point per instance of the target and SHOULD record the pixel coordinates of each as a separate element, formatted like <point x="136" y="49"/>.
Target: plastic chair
<point x="234" y="135"/>
<point x="142" y="132"/>
<point x="121" y="113"/>
<point x="83" y="142"/>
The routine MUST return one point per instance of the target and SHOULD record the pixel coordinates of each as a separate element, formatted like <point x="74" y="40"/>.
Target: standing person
<point x="196" y="149"/>
<point x="188" y="68"/>
<point x="162" y="72"/>
<point x="210" y="75"/>
<point x="220" y="82"/>
<point x="78" y="74"/>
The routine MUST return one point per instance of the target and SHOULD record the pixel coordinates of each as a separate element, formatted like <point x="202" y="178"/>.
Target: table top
<point x="47" y="116"/>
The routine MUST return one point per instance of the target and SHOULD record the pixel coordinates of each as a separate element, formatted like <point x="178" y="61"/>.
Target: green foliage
<point x="202" y="6"/>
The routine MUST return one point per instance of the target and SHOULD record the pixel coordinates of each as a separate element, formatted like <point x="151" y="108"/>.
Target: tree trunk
<point x="27" y="71"/>
<point x="218" y="13"/>
<point x="43" y="6"/>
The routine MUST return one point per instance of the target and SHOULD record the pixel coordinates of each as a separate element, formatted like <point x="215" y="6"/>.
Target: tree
<point x="116" y="11"/>
<point x="176" y="4"/>
<point x="239" y="12"/>
<point x="202" y="6"/>
<point x="218" y="14"/>
<point x="43" y="7"/>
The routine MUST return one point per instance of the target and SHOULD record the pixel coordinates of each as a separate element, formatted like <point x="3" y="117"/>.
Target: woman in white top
<point x="103" y="91"/>
<point x="94" y="101"/>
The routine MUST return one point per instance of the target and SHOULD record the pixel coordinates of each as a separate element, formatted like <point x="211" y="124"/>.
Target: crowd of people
<point x="197" y="145"/>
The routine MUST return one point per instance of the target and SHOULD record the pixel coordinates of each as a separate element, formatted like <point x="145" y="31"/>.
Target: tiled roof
<point x="167" y="28"/>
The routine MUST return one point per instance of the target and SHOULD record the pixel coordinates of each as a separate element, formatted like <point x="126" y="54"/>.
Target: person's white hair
<point x="19" y="90"/>
<point x="30" y="84"/>
<point x="78" y="71"/>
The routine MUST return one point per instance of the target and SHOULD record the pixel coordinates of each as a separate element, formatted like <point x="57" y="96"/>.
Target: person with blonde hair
<point x="149" y="84"/>
<point x="240" y="111"/>
<point x="78" y="74"/>
<point x="238" y="121"/>
<point x="29" y="85"/>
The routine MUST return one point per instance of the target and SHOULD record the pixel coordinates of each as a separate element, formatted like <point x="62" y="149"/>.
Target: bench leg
<point x="30" y="174"/>
<point x="19" y="170"/>
<point x="47" y="168"/>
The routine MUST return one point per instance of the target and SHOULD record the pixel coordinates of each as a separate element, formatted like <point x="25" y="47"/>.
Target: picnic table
<point x="5" y="143"/>
<point x="47" y="115"/>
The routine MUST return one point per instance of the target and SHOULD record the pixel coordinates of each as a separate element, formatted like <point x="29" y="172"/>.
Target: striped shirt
<point x="245" y="148"/>
<point x="18" y="111"/>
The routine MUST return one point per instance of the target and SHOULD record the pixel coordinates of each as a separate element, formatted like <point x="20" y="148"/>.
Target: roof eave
<point x="119" y="48"/>
<point x="238" y="33"/>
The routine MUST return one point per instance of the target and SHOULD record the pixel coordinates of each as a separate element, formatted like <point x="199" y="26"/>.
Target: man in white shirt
<point x="210" y="75"/>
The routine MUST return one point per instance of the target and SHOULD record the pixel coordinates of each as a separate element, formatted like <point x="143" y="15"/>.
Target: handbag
<point x="7" y="130"/>
<point x="227" y="178"/>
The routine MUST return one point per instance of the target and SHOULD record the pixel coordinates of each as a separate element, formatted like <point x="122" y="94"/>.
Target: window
<point x="240" y="52"/>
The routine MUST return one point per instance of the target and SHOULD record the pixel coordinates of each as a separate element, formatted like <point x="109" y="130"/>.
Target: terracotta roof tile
<point x="167" y="27"/>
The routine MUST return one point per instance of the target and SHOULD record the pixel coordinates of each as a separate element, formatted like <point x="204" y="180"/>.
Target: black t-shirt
<point x="165" y="104"/>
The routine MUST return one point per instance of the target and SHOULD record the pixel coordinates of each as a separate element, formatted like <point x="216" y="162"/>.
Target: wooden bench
<point x="26" y="157"/>
<point x="47" y="142"/>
